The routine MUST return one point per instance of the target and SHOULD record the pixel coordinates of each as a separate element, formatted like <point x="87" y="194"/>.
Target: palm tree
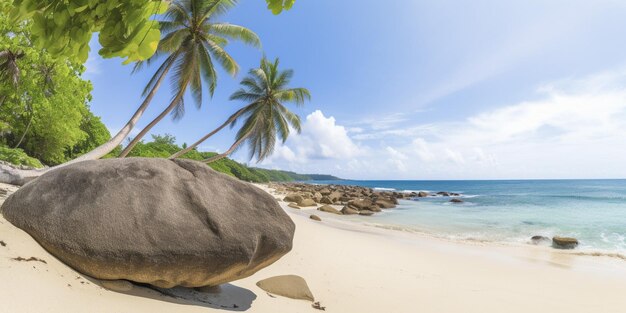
<point x="9" y="69"/>
<point x="266" y="117"/>
<point x="193" y="39"/>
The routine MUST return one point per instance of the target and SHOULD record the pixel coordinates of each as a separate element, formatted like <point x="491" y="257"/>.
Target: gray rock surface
<point x="163" y="222"/>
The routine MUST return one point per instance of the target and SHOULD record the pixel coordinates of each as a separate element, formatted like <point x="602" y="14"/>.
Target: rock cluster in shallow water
<point x="353" y="199"/>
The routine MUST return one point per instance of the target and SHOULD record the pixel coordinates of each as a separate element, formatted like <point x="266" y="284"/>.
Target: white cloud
<point x="397" y="158"/>
<point x="573" y="129"/>
<point x="422" y="150"/>
<point x="321" y="138"/>
<point x="454" y="156"/>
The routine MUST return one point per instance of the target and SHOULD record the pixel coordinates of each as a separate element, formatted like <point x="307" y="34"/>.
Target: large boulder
<point x="162" y="222"/>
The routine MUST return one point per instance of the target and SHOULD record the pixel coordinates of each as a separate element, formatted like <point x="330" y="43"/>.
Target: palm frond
<point x="235" y="32"/>
<point x="223" y="58"/>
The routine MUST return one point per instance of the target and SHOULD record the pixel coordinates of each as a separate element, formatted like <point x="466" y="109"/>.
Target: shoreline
<point x="406" y="233"/>
<point x="349" y="268"/>
<point x="373" y="222"/>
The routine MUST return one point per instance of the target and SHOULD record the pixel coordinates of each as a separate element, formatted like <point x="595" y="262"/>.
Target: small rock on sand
<point x="315" y="218"/>
<point x="456" y="200"/>
<point x="290" y="286"/>
<point x="293" y="205"/>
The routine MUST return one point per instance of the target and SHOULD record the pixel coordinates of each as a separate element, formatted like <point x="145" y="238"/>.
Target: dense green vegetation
<point x="164" y="146"/>
<point x="43" y="100"/>
<point x="18" y="157"/>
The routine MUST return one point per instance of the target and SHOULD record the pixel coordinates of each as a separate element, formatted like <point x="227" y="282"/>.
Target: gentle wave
<point x="467" y="239"/>
<point x="384" y="189"/>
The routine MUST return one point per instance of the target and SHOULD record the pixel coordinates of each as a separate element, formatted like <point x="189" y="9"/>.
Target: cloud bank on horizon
<point x="568" y="127"/>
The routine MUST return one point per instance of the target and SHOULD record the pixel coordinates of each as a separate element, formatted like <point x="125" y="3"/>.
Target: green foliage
<point x="278" y="6"/>
<point x="64" y="28"/>
<point x="18" y="157"/>
<point x="162" y="146"/>
<point x="193" y="48"/>
<point x="96" y="135"/>
<point x="43" y="111"/>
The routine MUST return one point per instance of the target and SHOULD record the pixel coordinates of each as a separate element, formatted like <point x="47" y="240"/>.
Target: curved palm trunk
<point x="227" y="153"/>
<point x="146" y="129"/>
<point x="15" y="176"/>
<point x="230" y="120"/>
<point x="30" y="122"/>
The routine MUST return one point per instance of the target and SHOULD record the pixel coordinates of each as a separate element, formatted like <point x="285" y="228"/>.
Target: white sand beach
<point x="349" y="268"/>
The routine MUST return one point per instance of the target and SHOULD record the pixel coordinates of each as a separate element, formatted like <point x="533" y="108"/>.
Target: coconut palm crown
<point x="265" y="118"/>
<point x="192" y="42"/>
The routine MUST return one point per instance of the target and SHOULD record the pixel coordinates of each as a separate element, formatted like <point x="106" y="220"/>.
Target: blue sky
<point x="406" y="89"/>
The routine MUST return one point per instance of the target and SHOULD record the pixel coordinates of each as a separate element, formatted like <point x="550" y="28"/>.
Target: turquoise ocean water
<point x="511" y="211"/>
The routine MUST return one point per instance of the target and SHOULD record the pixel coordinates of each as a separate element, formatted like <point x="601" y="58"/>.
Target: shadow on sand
<point x="227" y="297"/>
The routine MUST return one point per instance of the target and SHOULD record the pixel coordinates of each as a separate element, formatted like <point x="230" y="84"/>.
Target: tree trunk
<point x="230" y="120"/>
<point x="15" y="176"/>
<point x="227" y="153"/>
<point x="144" y="131"/>
<point x="30" y="122"/>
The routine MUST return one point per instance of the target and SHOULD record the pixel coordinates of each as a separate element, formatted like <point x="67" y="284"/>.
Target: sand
<point x="349" y="268"/>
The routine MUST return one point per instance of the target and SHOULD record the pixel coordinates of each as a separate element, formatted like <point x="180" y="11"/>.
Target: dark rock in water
<point x="422" y="194"/>
<point x="385" y="204"/>
<point x="328" y="209"/>
<point x="443" y="194"/>
<point x="456" y="200"/>
<point x="454" y="194"/>
<point x="349" y="211"/>
<point x="290" y="286"/>
<point x="162" y="222"/>
<point x="564" y="242"/>
<point x="315" y="218"/>
<point x="536" y="240"/>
